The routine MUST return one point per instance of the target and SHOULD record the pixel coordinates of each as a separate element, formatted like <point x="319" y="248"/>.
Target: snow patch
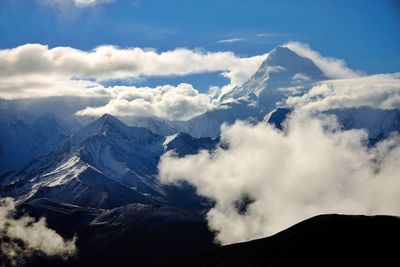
<point x="169" y="139"/>
<point x="64" y="173"/>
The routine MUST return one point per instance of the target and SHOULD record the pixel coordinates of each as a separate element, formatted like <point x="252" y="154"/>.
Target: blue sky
<point x="364" y="33"/>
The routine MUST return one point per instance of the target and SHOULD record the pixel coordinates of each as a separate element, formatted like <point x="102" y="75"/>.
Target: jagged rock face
<point x="106" y="164"/>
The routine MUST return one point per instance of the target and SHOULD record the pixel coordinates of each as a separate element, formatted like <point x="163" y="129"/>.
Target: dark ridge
<point x="131" y="235"/>
<point x="324" y="240"/>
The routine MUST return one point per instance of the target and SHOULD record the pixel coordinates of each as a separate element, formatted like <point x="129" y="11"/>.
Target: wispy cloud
<point x="86" y="3"/>
<point x="232" y="40"/>
<point x="70" y="10"/>
<point x="77" y="3"/>
<point x="249" y="37"/>
<point x="23" y="236"/>
<point x="377" y="91"/>
<point x="332" y="67"/>
<point x="265" y="34"/>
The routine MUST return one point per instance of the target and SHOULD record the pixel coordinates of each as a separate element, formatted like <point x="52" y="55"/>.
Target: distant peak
<point x="292" y="62"/>
<point x="107" y="116"/>
<point x="109" y="119"/>
<point x="102" y="125"/>
<point x="276" y="71"/>
<point x="282" y="49"/>
<point x="282" y="54"/>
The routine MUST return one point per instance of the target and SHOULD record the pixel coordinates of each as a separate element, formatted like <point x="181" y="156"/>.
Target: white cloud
<point x="168" y="102"/>
<point x="174" y="103"/>
<point x="242" y="71"/>
<point x="377" y="91"/>
<point x="34" y="235"/>
<point x="332" y="67"/>
<point x="41" y="86"/>
<point x="180" y="102"/>
<point x="232" y="40"/>
<point x="265" y="34"/>
<point x="110" y="62"/>
<point x="35" y="71"/>
<point x="301" y="77"/>
<point x="77" y="3"/>
<point x="311" y="168"/>
<point x="85" y="3"/>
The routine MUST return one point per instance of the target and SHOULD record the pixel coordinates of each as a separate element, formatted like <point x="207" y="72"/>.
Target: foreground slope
<point x="325" y="240"/>
<point x="131" y="235"/>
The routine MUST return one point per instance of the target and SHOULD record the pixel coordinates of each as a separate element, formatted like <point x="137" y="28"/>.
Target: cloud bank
<point x="34" y="71"/>
<point x="21" y="237"/>
<point x="263" y="180"/>
<point x="268" y="180"/>
<point x="88" y="98"/>
<point x="110" y="62"/>
<point x="377" y="91"/>
<point x="174" y="103"/>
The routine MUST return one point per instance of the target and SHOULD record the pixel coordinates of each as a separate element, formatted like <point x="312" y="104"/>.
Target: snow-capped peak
<point x="283" y="68"/>
<point x="292" y="62"/>
<point x="102" y="125"/>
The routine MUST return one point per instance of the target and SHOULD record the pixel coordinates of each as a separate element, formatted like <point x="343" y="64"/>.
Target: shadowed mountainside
<point x="324" y="240"/>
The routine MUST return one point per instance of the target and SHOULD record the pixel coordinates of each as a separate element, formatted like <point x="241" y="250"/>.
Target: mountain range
<point x="102" y="177"/>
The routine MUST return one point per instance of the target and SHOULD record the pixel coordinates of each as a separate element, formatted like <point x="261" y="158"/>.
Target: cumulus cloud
<point x="332" y="67"/>
<point x="110" y="62"/>
<point x="264" y="180"/>
<point x="377" y="91"/>
<point x="267" y="180"/>
<point x="174" y="103"/>
<point x="36" y="71"/>
<point x="180" y="102"/>
<point x="21" y="237"/>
